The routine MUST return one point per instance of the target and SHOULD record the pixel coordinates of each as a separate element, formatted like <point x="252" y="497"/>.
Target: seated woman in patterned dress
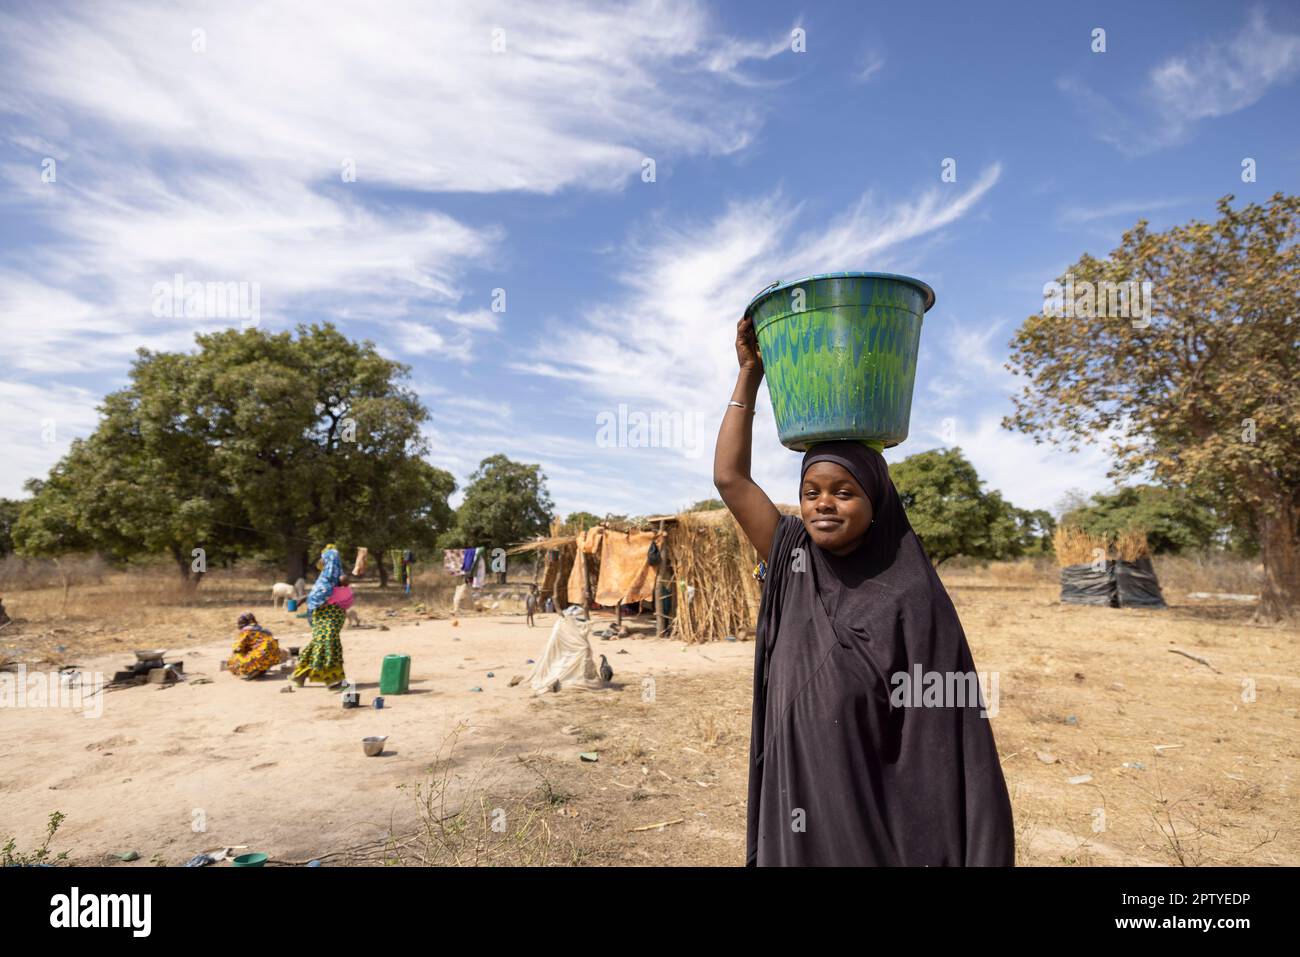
<point x="256" y="651"/>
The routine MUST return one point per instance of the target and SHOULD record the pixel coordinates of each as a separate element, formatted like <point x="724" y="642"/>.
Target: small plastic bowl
<point x="373" y="747"/>
<point x="249" y="860"/>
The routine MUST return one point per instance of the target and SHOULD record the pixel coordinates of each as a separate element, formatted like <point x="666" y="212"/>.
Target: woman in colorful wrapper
<point x="845" y="767"/>
<point x="322" y="657"/>
<point x="256" y="651"/>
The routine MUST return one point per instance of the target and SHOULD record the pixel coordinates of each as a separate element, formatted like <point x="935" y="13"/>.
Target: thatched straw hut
<point x="704" y="588"/>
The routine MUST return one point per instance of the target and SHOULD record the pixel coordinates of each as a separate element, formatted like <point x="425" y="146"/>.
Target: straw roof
<point x="712" y="516"/>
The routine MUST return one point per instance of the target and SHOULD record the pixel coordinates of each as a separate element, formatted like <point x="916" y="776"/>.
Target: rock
<point x="588" y="756"/>
<point x="515" y="680"/>
<point x="1046" y="757"/>
<point x="1079" y="779"/>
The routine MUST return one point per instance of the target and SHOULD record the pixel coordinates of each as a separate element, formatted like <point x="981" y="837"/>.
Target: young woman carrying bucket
<point x="848" y="764"/>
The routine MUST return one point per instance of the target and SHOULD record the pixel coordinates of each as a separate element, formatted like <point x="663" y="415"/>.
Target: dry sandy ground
<point x="285" y="772"/>
<point x="1081" y="691"/>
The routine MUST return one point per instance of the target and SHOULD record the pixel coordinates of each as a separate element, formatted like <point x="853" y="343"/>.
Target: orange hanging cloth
<point x="578" y="573"/>
<point x="625" y="574"/>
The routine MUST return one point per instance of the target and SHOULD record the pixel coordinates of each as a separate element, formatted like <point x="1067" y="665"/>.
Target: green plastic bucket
<point x="839" y="354"/>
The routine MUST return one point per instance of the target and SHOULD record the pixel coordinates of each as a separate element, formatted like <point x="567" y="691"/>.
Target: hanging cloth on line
<point x="625" y="573"/>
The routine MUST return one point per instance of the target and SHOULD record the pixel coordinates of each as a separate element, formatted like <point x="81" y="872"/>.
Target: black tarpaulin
<point x="1089" y="585"/>
<point x="1136" y="585"/>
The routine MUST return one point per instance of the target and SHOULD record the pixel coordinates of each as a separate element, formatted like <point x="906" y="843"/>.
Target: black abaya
<point x="844" y="768"/>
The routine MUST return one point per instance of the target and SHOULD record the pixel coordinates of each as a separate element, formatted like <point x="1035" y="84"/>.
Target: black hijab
<point x="879" y="783"/>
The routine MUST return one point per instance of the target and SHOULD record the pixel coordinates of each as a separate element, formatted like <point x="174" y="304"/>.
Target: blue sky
<point x="219" y="155"/>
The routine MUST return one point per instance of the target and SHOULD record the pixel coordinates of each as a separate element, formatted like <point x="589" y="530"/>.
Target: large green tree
<point x="953" y="515"/>
<point x="1204" y="392"/>
<point x="1173" y="519"/>
<point x="505" y="503"/>
<point x="403" y="505"/>
<point x="9" y="509"/>
<point x="582" y="520"/>
<point x="254" y="441"/>
<point x="706" y="505"/>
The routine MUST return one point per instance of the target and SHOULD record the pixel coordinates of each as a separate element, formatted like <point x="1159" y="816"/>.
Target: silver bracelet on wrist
<point x="741" y="405"/>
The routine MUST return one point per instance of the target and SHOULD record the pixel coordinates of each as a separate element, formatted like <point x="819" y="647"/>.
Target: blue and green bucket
<point x="839" y="354"/>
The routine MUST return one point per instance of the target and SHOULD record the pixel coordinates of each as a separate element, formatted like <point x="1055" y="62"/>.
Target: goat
<point x="282" y="590"/>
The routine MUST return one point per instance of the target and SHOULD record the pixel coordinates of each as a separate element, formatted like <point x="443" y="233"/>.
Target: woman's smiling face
<point x="834" y="508"/>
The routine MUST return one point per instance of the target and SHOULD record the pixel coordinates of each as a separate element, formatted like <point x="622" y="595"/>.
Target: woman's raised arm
<point x="754" y="511"/>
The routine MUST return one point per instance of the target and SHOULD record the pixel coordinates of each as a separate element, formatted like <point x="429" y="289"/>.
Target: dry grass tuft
<point x="1131" y="544"/>
<point x="1074" y="546"/>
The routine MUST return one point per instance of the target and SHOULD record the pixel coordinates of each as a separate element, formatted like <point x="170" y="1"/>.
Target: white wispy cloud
<point x="37" y="424"/>
<point x="872" y="63"/>
<point x="1217" y="78"/>
<point x="1224" y="77"/>
<point x="667" y="345"/>
<point x="729" y="53"/>
<point x="423" y="95"/>
<point x="229" y="159"/>
<point x="963" y="361"/>
<point x="212" y="140"/>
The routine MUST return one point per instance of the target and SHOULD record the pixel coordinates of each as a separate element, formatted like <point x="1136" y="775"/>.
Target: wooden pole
<point x="659" y="574"/>
<point x="581" y="556"/>
<point x="618" y="612"/>
<point x="561" y="580"/>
